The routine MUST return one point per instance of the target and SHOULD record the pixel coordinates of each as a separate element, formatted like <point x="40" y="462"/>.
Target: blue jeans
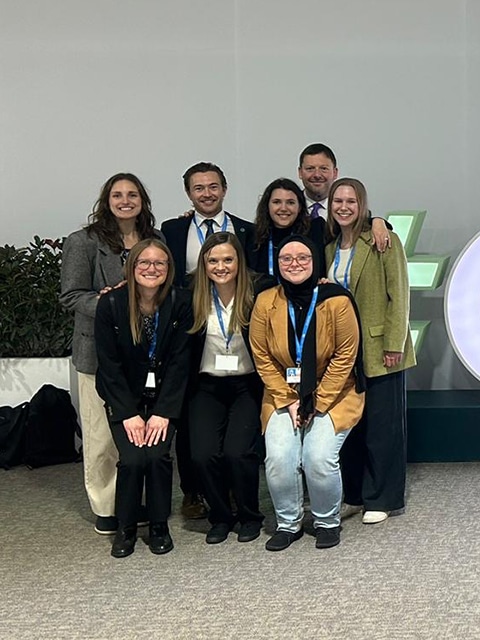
<point x="315" y="450"/>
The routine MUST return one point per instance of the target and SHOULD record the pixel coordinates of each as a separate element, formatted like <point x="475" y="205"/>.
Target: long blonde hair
<point x="361" y="224"/>
<point x="135" y="315"/>
<point x="202" y="286"/>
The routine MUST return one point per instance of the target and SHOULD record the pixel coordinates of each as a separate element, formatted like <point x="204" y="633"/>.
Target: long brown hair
<point x="103" y="223"/>
<point x="135" y="315"/>
<point x="202" y="286"/>
<point x="263" y="221"/>
<point x="361" y="224"/>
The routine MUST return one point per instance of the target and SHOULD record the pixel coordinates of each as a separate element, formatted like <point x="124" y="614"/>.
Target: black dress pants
<point x="224" y="432"/>
<point x="374" y="457"/>
<point x="138" y="467"/>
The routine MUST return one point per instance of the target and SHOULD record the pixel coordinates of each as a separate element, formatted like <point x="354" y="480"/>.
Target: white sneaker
<point x="349" y="510"/>
<point x="375" y="517"/>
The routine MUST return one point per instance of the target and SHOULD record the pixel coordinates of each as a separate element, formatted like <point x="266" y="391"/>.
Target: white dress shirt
<point x="193" y="241"/>
<point x="215" y="345"/>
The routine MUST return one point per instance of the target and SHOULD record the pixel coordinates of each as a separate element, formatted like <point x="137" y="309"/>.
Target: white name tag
<point x="226" y="363"/>
<point x="150" y="383"/>
<point x="293" y="375"/>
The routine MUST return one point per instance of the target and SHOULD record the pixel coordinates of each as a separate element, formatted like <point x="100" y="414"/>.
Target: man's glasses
<point x="159" y="265"/>
<point x="303" y="259"/>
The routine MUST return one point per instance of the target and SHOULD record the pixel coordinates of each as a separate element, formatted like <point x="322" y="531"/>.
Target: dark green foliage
<point x="32" y="322"/>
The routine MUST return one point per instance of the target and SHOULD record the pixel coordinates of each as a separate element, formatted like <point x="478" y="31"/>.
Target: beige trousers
<point x="100" y="455"/>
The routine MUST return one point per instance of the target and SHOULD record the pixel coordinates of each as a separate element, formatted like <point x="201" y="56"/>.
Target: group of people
<point x="219" y="329"/>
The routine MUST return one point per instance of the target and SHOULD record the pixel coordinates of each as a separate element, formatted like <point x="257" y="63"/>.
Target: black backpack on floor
<point x="51" y="427"/>
<point x="13" y="422"/>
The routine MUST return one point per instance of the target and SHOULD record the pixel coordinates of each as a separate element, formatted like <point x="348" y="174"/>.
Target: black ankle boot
<point x="160" y="540"/>
<point x="124" y="542"/>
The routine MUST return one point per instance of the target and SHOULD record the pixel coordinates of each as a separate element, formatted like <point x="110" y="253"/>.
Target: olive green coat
<point x="379" y="284"/>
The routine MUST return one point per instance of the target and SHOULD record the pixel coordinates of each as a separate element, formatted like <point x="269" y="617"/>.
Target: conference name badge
<point x="150" y="384"/>
<point x="293" y="375"/>
<point x="226" y="362"/>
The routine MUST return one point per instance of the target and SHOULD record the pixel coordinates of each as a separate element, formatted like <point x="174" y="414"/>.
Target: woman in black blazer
<point x="224" y="416"/>
<point x="282" y="212"/>
<point x="143" y="363"/>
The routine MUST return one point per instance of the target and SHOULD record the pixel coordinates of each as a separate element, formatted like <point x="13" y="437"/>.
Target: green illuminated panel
<point x="418" y="329"/>
<point x="427" y="271"/>
<point x="407" y="225"/>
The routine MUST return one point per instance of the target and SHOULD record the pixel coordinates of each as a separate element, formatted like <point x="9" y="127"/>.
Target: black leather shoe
<point x="218" y="533"/>
<point x="282" y="540"/>
<point x="327" y="538"/>
<point x="249" y="531"/>
<point x="160" y="541"/>
<point x="124" y="542"/>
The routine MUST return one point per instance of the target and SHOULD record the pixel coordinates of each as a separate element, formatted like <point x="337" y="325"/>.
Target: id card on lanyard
<point x="151" y="382"/>
<point x="224" y="361"/>
<point x="293" y="375"/>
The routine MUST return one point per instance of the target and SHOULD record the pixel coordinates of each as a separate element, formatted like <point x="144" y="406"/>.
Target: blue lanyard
<point x="299" y="343"/>
<point x="220" y="318"/>
<point x="200" y="234"/>
<point x="270" y="256"/>
<point x="336" y="263"/>
<point x="153" y="344"/>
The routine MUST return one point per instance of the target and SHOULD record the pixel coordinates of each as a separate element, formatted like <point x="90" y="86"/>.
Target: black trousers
<point x="224" y="435"/>
<point x="374" y="457"/>
<point x="189" y="482"/>
<point x="142" y="466"/>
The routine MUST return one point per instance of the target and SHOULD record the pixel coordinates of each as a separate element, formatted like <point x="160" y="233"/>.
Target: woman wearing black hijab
<point x="305" y="341"/>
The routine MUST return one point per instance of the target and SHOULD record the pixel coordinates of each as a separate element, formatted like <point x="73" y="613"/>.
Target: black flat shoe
<point x="282" y="540"/>
<point x="124" y="542"/>
<point x="160" y="541"/>
<point x="327" y="538"/>
<point x="249" y="531"/>
<point x="218" y="533"/>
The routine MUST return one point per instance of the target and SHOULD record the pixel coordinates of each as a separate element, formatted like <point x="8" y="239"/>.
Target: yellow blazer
<point x="379" y="284"/>
<point x="337" y="344"/>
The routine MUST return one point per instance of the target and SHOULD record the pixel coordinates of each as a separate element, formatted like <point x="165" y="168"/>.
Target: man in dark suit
<point x="206" y="186"/>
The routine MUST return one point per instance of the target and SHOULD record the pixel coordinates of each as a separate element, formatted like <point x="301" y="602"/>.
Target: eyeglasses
<point x="303" y="259"/>
<point x="159" y="265"/>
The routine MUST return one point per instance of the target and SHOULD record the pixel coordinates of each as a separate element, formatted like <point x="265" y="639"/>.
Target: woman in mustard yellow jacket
<point x="374" y="459"/>
<point x="305" y="339"/>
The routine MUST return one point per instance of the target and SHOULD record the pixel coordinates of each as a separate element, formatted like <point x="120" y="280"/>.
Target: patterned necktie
<point x="209" y="225"/>
<point x="314" y="211"/>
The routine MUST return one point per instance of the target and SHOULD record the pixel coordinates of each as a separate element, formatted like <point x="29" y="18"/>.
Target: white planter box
<point x="21" y="378"/>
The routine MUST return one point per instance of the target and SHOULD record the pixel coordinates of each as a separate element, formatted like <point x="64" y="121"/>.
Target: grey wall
<point x="92" y="88"/>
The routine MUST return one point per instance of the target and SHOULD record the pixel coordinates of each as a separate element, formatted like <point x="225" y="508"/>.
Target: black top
<point x="123" y="366"/>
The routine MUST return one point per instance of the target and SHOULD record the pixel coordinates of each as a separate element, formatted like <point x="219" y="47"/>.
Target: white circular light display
<point x="462" y="306"/>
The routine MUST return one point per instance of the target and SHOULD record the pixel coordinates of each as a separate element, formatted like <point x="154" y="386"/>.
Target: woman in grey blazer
<point x="92" y="264"/>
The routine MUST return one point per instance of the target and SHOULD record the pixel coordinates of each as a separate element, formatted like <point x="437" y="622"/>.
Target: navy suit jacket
<point x="176" y="234"/>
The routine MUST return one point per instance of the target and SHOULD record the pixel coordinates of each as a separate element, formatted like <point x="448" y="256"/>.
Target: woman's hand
<point x="135" y="428"/>
<point x="381" y="235"/>
<point x="157" y="428"/>
<point x="293" y="411"/>
<point x="392" y="358"/>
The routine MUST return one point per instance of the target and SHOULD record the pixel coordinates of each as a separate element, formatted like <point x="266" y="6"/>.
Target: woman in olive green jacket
<point x="374" y="457"/>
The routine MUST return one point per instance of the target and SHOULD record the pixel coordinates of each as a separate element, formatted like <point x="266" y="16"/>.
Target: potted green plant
<point x="33" y="325"/>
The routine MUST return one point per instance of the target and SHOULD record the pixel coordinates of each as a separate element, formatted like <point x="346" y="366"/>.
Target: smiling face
<point x="283" y="208"/>
<point x="295" y="262"/>
<point x="317" y="174"/>
<point x="345" y="209"/>
<point x="221" y="264"/>
<point x="206" y="193"/>
<point x="124" y="200"/>
<point x="151" y="268"/>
